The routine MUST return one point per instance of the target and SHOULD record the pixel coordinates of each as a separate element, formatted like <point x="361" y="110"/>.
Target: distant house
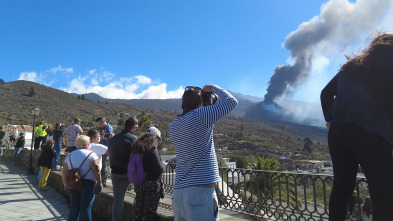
<point x="229" y="164"/>
<point x="28" y="130"/>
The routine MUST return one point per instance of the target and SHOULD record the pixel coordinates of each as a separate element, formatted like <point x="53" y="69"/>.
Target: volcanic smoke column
<point x="340" y="25"/>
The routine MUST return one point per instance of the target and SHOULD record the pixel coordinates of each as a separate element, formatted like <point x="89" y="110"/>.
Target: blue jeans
<point x="195" y="203"/>
<point x="17" y="151"/>
<point x="57" y="149"/>
<point x="81" y="201"/>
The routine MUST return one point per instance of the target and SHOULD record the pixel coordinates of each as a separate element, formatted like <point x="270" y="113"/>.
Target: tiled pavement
<point x="21" y="199"/>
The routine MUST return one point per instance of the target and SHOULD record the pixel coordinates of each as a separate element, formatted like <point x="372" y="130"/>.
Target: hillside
<point x="235" y="135"/>
<point x="56" y="105"/>
<point x="173" y="104"/>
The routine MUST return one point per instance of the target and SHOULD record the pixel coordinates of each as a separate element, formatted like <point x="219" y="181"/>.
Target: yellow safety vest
<point x="42" y="132"/>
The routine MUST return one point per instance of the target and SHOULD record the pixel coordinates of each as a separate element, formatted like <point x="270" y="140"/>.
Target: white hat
<point x="154" y="131"/>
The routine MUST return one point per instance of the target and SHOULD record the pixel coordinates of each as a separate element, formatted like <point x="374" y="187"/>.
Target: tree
<point x="241" y="161"/>
<point x="83" y="97"/>
<point x="120" y="121"/>
<point x="308" y="145"/>
<point x="267" y="186"/>
<point x="144" y="123"/>
<point x="32" y="92"/>
<point x="1" y="81"/>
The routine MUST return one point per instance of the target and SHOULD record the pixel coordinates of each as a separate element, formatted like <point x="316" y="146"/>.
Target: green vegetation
<point x="144" y="123"/>
<point x="241" y="161"/>
<point x="267" y="186"/>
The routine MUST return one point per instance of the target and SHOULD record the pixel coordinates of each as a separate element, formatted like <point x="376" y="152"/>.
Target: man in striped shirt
<point x="191" y="133"/>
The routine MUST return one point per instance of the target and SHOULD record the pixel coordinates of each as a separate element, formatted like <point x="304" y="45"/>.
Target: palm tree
<point x="262" y="187"/>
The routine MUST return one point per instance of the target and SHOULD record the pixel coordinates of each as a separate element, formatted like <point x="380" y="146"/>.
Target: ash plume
<point x="340" y="23"/>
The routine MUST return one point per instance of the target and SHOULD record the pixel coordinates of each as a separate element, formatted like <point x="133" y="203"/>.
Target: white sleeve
<point x="93" y="157"/>
<point x="99" y="149"/>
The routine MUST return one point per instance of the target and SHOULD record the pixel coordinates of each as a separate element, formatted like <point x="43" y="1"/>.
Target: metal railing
<point x="271" y="194"/>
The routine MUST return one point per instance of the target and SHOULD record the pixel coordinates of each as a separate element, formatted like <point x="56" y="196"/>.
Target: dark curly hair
<point x="144" y="143"/>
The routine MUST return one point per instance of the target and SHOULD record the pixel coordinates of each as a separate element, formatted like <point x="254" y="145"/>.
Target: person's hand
<point x="207" y="88"/>
<point x="164" y="162"/>
<point x="98" y="188"/>
<point x="328" y="125"/>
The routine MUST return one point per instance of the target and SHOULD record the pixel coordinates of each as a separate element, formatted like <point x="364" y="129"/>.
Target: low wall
<point x="103" y="202"/>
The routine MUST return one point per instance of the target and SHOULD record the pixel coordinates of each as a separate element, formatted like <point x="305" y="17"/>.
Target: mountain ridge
<point x="240" y="135"/>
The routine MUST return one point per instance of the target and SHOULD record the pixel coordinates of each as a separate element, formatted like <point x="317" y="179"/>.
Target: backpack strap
<point x="83" y="163"/>
<point x="71" y="162"/>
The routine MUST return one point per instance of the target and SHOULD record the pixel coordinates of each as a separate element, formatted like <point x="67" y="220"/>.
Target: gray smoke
<point x="340" y="24"/>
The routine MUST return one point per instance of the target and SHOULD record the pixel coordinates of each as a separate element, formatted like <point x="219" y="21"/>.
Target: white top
<point x="49" y="137"/>
<point x="72" y="132"/>
<point x="99" y="150"/>
<point x="77" y="156"/>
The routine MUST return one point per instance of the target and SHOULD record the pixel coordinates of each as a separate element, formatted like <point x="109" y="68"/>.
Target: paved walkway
<point x="20" y="198"/>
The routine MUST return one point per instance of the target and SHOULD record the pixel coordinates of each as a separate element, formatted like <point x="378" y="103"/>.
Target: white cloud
<point x="135" y="87"/>
<point x="104" y="83"/>
<point x="143" y="79"/>
<point x="29" y="76"/>
<point x="94" y="81"/>
<point x="61" y="69"/>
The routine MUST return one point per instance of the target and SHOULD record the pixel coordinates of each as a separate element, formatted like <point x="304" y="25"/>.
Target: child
<point x="45" y="163"/>
<point x="19" y="144"/>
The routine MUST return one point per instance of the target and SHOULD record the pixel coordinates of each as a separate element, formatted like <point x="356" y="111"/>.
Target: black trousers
<point x="349" y="146"/>
<point x="37" y="142"/>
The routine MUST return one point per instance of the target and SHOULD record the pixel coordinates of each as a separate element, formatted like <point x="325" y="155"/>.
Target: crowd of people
<point x="102" y="151"/>
<point x="357" y="105"/>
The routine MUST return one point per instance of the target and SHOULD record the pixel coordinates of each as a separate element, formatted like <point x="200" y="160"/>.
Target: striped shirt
<point x="192" y="137"/>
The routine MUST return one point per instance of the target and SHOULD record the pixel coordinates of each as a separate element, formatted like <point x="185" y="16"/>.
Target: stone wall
<point x="103" y="202"/>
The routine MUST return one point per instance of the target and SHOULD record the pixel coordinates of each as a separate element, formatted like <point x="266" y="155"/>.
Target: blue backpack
<point x="135" y="172"/>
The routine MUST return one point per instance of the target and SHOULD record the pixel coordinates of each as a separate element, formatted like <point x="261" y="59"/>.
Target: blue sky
<point x="153" y="49"/>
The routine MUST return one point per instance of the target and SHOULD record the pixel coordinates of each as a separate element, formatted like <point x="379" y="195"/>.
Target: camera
<point x="209" y="98"/>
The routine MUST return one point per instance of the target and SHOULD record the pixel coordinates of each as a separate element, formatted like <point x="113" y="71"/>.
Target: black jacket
<point x="119" y="149"/>
<point x="46" y="157"/>
<point x="347" y="100"/>
<point x="152" y="165"/>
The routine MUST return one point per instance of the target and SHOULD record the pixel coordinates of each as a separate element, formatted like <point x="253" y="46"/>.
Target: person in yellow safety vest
<point x="40" y="135"/>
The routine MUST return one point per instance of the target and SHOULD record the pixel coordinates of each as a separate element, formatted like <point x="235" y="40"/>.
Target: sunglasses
<point x="193" y="88"/>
